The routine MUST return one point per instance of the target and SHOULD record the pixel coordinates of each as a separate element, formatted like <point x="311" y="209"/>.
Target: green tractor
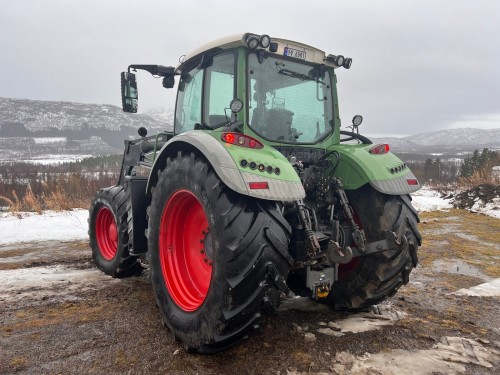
<point x="255" y="193"/>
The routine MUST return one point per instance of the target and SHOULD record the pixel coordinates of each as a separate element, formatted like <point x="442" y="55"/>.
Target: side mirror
<point x="129" y="92"/>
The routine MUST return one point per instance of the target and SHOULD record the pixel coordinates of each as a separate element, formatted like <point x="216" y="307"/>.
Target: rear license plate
<point x="297" y="53"/>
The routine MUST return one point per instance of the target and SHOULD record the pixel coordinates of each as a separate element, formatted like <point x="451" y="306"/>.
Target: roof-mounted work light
<point x="347" y="63"/>
<point x="252" y="42"/>
<point x="339" y="60"/>
<point x="264" y="41"/>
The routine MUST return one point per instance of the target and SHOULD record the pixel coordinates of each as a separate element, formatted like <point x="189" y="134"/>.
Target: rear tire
<point x="108" y="233"/>
<point x="375" y="277"/>
<point x="218" y="259"/>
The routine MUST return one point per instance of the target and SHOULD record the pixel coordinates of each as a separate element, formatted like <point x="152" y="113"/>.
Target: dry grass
<point x="65" y="193"/>
<point x="67" y="312"/>
<point x="475" y="180"/>
<point x="476" y="245"/>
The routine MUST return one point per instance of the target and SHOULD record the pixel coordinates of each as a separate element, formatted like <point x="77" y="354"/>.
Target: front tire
<point x="218" y="259"/>
<point x="108" y="233"/>
<point x="370" y="279"/>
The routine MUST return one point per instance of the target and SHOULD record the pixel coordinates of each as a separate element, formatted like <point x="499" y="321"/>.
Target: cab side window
<point x="219" y="88"/>
<point x="215" y="85"/>
<point x="188" y="111"/>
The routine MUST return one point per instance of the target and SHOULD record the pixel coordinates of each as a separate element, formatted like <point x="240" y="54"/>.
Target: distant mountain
<point x="458" y="137"/>
<point x="446" y="141"/>
<point x="396" y="143"/>
<point x="162" y="116"/>
<point x="34" y="128"/>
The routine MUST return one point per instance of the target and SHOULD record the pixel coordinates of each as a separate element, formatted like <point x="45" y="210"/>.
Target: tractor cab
<point x="286" y="89"/>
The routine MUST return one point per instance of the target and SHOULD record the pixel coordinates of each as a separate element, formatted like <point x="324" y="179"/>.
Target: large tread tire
<point x="378" y="276"/>
<point x="249" y="238"/>
<point x="110" y="252"/>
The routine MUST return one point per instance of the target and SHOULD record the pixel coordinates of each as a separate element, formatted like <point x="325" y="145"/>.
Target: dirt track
<point x="58" y="314"/>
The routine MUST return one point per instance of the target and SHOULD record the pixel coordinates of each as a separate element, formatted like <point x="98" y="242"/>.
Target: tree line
<point x="477" y="166"/>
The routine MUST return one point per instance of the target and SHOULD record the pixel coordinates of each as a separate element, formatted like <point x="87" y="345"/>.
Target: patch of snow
<point x="381" y="316"/>
<point x="490" y="209"/>
<point x="50" y="225"/>
<point x="426" y="199"/>
<point x="489" y="289"/>
<point x="363" y="323"/>
<point x="59" y="282"/>
<point x="448" y="357"/>
<point x="56" y="159"/>
<point x="49" y="140"/>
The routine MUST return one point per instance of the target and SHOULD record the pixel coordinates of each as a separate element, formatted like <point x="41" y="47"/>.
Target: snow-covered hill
<point x="456" y="137"/>
<point x="33" y="129"/>
<point x="18" y="116"/>
<point x="449" y="141"/>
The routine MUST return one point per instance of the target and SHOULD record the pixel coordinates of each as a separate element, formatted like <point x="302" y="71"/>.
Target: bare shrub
<point x="30" y="202"/>
<point x="13" y="204"/>
<point x="27" y="187"/>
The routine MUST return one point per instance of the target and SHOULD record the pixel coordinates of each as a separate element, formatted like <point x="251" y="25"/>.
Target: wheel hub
<point x="208" y="246"/>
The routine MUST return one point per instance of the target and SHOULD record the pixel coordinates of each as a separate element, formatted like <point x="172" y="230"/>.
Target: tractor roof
<point x="307" y="53"/>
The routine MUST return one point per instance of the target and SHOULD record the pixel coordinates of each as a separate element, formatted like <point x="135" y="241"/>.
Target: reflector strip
<point x="258" y="185"/>
<point x="412" y="182"/>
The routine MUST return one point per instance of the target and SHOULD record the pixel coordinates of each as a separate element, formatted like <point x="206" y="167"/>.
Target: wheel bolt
<point x="202" y="251"/>
<point x="205" y="260"/>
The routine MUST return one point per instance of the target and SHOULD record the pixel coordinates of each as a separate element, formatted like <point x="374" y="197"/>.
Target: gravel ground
<point x="58" y="314"/>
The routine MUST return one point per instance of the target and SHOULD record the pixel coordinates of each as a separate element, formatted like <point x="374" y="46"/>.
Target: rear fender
<point x="386" y="173"/>
<point x="226" y="159"/>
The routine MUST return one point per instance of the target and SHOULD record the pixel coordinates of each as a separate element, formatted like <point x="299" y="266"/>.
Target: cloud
<point x="417" y="65"/>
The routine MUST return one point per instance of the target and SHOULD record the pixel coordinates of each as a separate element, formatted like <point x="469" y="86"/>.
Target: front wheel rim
<point x="106" y="233"/>
<point x="186" y="250"/>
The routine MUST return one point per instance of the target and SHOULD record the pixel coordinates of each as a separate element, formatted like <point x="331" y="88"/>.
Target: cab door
<point x="205" y="92"/>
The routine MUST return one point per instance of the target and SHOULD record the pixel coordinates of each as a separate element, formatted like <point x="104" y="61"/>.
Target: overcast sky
<point x="418" y="65"/>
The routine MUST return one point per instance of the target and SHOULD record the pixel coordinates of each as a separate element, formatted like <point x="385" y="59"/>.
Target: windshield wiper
<point x="301" y="76"/>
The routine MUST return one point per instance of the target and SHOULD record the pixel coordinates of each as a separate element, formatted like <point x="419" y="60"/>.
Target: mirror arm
<point x="156" y="70"/>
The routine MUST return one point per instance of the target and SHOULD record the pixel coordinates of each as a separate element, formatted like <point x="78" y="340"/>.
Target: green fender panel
<point x="386" y="173"/>
<point x="226" y="158"/>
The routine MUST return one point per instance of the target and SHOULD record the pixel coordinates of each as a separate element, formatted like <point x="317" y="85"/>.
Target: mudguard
<point x="226" y="161"/>
<point x="386" y="173"/>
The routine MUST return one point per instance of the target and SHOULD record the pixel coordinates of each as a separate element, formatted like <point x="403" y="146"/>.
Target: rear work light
<point x="380" y="149"/>
<point x="258" y="185"/>
<point x="239" y="139"/>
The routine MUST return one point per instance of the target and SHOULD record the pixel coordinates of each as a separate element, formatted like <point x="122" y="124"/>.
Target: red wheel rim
<point x="186" y="250"/>
<point x="106" y="233"/>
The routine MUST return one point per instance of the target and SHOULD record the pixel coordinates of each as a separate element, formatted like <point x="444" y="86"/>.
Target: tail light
<point x="242" y="140"/>
<point x="380" y="149"/>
